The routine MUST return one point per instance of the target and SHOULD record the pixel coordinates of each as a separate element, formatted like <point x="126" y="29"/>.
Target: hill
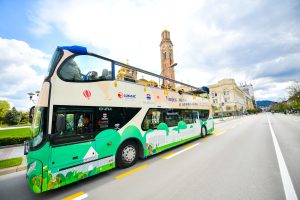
<point x="264" y="103"/>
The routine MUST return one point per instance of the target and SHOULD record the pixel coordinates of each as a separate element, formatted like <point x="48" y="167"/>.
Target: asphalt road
<point x="238" y="162"/>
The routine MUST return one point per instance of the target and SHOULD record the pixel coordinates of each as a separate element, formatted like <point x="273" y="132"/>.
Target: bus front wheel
<point x="127" y="154"/>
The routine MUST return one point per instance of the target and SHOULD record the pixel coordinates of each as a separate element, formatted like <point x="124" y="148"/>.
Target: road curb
<point x="13" y="145"/>
<point x="12" y="170"/>
<point x="15" y="168"/>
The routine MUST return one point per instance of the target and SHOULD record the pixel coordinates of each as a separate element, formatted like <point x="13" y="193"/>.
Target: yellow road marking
<point x="206" y="138"/>
<point x="168" y="155"/>
<point x="216" y="131"/>
<point x="131" y="171"/>
<point x="183" y="150"/>
<point x="74" y="196"/>
<point x="188" y="146"/>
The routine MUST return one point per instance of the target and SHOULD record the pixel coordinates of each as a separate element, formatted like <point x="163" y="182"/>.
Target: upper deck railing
<point x="119" y="71"/>
<point x="193" y="89"/>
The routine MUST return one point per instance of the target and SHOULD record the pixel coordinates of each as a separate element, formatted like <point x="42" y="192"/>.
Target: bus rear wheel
<point x="127" y="154"/>
<point x="203" y="131"/>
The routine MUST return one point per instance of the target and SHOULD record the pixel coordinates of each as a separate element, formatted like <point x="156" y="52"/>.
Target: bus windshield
<point x="54" y="60"/>
<point x="36" y="128"/>
<point x="85" y="68"/>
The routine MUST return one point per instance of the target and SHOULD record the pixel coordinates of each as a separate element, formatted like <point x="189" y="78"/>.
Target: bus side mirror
<point x="31" y="113"/>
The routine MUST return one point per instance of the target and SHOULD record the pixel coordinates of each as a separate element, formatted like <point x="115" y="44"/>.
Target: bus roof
<point x="75" y="49"/>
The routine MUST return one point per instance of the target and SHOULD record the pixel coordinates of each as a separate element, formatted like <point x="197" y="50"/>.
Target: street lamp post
<point x="170" y="67"/>
<point x="33" y="96"/>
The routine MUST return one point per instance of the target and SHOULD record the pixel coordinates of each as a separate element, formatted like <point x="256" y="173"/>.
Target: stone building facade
<point x="228" y="99"/>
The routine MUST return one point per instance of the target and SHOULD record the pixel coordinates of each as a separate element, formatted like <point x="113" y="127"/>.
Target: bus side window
<point x="195" y="117"/>
<point x="69" y="122"/>
<point x="186" y="116"/>
<point x="87" y="126"/>
<point x="172" y="117"/>
<point x="152" y="119"/>
<point x="204" y="114"/>
<point x="60" y="124"/>
<point x="114" y="117"/>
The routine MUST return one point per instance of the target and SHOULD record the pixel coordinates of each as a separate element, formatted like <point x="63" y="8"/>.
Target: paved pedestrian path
<point x="11" y="152"/>
<point x="13" y="127"/>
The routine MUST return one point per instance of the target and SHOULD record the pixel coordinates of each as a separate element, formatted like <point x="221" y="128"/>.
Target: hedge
<point x="12" y="140"/>
<point x="10" y="162"/>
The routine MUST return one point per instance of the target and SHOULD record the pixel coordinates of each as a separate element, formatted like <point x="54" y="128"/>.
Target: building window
<point x="226" y="92"/>
<point x="165" y="55"/>
<point x="170" y="56"/>
<point x="215" y="101"/>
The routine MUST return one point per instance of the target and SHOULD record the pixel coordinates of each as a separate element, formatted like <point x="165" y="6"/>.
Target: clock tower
<point x="167" y="58"/>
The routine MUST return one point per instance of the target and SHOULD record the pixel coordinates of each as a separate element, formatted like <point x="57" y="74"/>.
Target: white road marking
<point x="288" y="187"/>
<point x="180" y="152"/>
<point x="81" y="197"/>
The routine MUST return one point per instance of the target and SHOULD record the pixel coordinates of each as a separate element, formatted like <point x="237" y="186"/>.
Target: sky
<point x="252" y="41"/>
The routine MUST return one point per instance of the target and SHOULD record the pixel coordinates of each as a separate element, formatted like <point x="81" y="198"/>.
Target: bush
<point x="12" y="140"/>
<point x="10" y="162"/>
<point x="12" y="117"/>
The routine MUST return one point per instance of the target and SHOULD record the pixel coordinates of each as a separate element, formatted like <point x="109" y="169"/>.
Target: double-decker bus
<point x="95" y="113"/>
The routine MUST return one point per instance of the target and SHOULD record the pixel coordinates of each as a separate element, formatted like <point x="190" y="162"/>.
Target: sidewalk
<point x="13" y="127"/>
<point x="220" y="120"/>
<point x="13" y="152"/>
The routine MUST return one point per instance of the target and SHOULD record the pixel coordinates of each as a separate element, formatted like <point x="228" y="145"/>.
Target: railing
<point x="193" y="89"/>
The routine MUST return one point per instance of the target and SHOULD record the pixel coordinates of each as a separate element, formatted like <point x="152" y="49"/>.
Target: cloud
<point x="266" y="88"/>
<point x="246" y="40"/>
<point x="22" y="70"/>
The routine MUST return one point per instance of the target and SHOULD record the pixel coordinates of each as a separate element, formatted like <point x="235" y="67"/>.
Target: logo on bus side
<point x="120" y="95"/>
<point x="148" y="97"/>
<point x="87" y="94"/>
<point x="126" y="96"/>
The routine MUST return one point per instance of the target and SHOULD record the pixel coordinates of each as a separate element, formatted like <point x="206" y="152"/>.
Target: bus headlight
<point x="31" y="167"/>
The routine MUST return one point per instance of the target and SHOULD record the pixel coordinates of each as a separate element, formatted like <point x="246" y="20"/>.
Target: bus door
<point x="73" y="143"/>
<point x="196" y="121"/>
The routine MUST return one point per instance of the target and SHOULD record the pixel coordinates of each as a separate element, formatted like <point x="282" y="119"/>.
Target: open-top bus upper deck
<point x="92" y="109"/>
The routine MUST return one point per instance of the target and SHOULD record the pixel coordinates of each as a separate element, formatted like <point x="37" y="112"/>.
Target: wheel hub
<point x="128" y="154"/>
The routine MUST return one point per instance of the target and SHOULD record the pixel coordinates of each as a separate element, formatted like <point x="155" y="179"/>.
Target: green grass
<point x="10" y="162"/>
<point x="15" y="133"/>
<point x="6" y="125"/>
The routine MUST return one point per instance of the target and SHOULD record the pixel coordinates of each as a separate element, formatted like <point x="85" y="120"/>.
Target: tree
<point x="24" y="117"/>
<point x="4" y="107"/>
<point x="294" y="88"/>
<point x="12" y="117"/>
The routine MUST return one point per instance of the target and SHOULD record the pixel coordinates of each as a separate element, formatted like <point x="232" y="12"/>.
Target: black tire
<point x="203" y="131"/>
<point x="127" y="154"/>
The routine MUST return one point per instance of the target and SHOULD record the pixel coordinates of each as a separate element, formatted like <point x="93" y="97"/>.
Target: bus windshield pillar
<point x="113" y="70"/>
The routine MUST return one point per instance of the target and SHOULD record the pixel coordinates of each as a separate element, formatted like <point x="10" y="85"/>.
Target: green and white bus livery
<point x="95" y="113"/>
